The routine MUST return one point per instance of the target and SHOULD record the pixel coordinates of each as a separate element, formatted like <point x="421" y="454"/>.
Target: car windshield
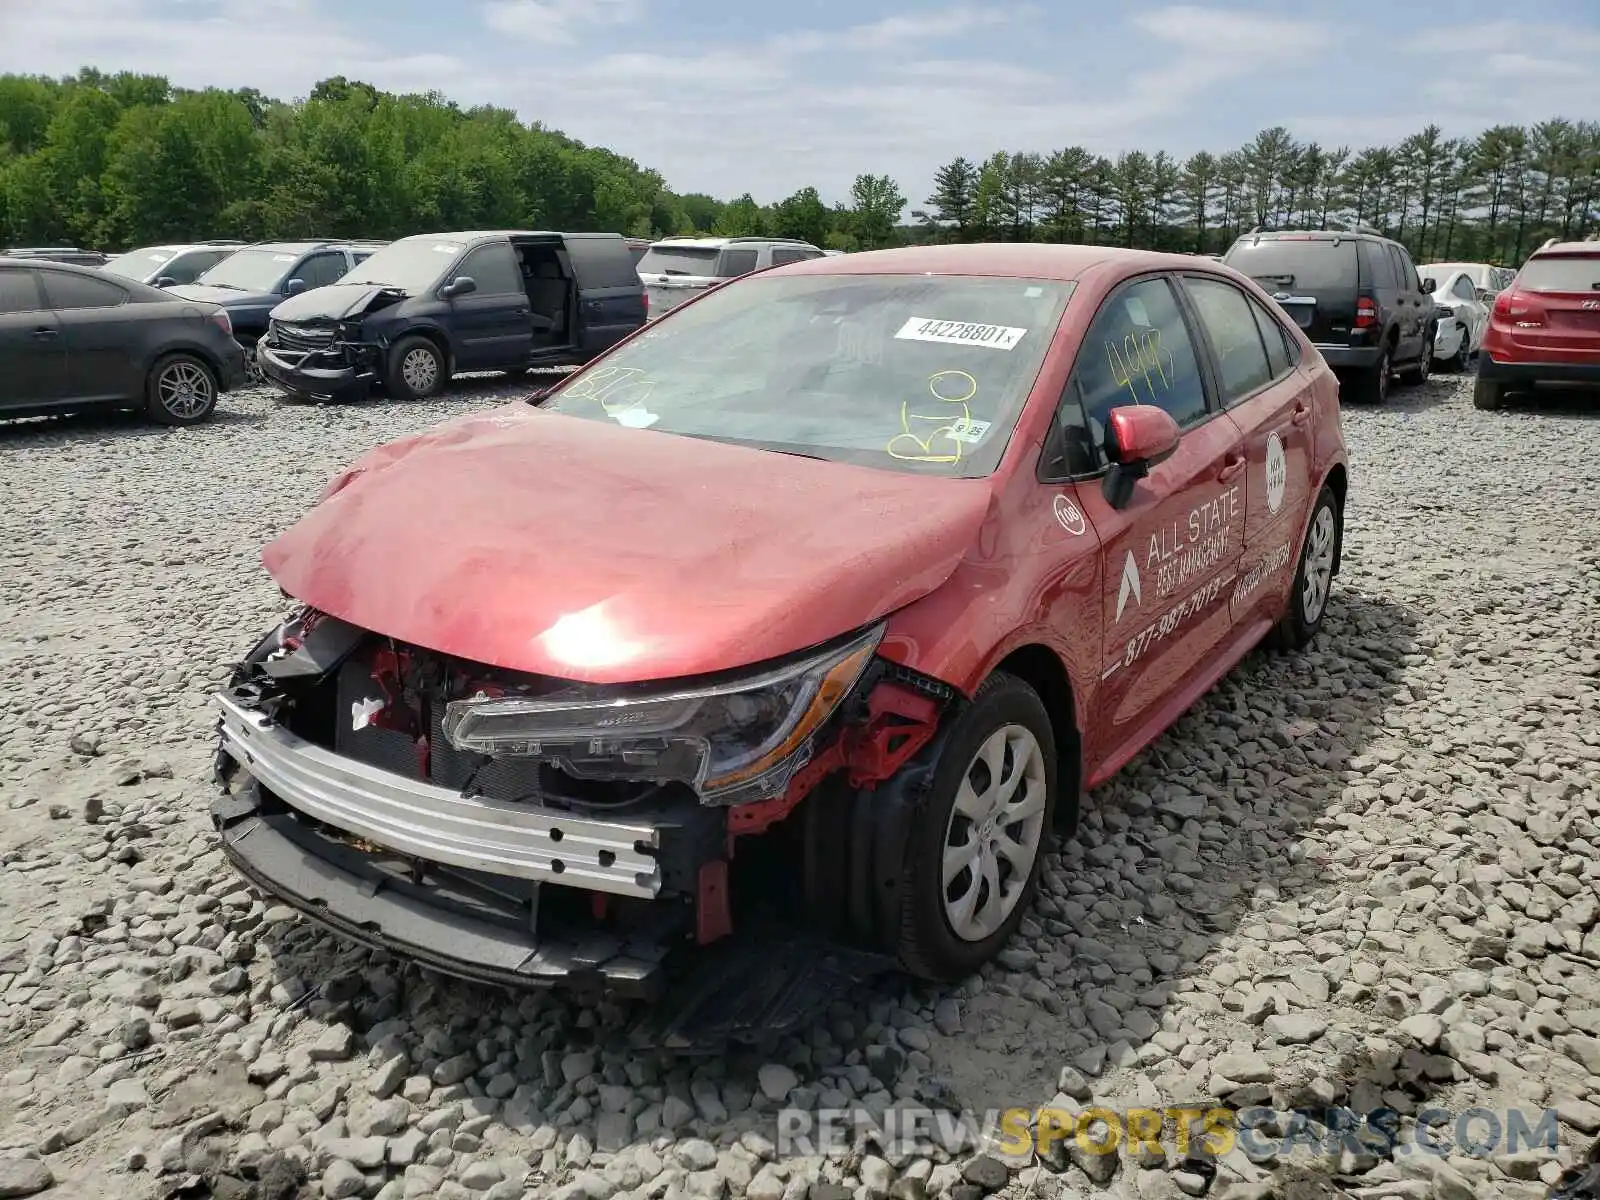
<point x="1561" y="273"/>
<point x="413" y="264"/>
<point x="1297" y="264"/>
<point x="250" y="271"/>
<point x="679" y="260"/>
<point x="139" y="264"/>
<point x="904" y="372"/>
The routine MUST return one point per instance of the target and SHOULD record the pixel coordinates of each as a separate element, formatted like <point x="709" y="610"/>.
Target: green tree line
<point x="117" y="160"/>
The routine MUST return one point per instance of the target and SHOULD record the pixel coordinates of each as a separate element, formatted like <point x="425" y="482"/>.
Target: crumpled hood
<point x="333" y="302"/>
<point x="227" y="297"/>
<point x="562" y="546"/>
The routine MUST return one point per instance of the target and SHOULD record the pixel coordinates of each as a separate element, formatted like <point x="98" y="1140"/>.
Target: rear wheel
<point x="1488" y="393"/>
<point x="1313" y="578"/>
<point x="180" y="390"/>
<point x="1463" y="358"/>
<point x="1418" y="372"/>
<point x="974" y="854"/>
<point x="416" y="369"/>
<point x="1372" y="385"/>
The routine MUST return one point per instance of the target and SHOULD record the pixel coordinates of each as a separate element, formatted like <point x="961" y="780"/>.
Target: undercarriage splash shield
<point x="753" y="989"/>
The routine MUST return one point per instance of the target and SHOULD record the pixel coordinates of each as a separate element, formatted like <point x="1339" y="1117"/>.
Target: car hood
<point x="334" y="302"/>
<point x="227" y="297"/>
<point x="561" y="546"/>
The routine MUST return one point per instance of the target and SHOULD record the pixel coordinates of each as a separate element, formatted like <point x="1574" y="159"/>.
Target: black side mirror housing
<point x="294" y="287"/>
<point x="461" y="285"/>
<point x="166" y="281"/>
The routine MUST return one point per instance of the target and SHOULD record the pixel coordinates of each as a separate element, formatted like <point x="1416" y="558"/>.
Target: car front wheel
<point x="975" y="853"/>
<point x="416" y="369"/>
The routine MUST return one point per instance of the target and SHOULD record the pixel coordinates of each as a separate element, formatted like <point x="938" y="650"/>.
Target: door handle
<point x="1302" y="413"/>
<point x="524" y="312"/>
<point x="44" y="333"/>
<point x="1231" y="466"/>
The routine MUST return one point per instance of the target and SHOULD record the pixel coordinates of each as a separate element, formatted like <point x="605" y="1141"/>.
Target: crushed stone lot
<point x="1366" y="876"/>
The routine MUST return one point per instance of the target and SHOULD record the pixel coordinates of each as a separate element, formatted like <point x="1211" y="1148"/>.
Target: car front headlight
<point x="732" y="742"/>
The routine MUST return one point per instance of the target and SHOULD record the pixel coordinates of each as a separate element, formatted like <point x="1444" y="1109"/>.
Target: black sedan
<point x="74" y="338"/>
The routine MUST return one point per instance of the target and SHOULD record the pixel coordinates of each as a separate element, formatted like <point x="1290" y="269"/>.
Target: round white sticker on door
<point x="1070" y="516"/>
<point x="1277" y="473"/>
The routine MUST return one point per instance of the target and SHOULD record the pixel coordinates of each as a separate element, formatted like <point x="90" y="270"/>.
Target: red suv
<point x="827" y="595"/>
<point x="1545" y="327"/>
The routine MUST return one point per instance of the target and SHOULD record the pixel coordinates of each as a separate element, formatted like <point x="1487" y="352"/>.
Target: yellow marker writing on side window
<point x="930" y="438"/>
<point x="1141" y="357"/>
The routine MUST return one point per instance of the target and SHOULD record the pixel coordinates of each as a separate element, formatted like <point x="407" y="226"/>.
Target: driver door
<point x="1169" y="554"/>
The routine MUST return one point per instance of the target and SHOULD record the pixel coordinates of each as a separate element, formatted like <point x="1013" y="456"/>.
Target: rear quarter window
<point x="1562" y="273"/>
<point x="737" y="262"/>
<point x="679" y="260"/>
<point x="602" y="263"/>
<point x="1315" y="264"/>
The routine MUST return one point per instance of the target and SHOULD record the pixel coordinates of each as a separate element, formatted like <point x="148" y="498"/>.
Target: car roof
<point x="710" y="243"/>
<point x="33" y="262"/>
<point x="471" y="237"/>
<point x="1021" y="260"/>
<point x="1553" y="247"/>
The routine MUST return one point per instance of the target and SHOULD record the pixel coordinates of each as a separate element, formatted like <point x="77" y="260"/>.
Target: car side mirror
<point x="294" y="287"/>
<point x="1138" y="437"/>
<point x="1429" y="284"/>
<point x="166" y="281"/>
<point x="461" y="285"/>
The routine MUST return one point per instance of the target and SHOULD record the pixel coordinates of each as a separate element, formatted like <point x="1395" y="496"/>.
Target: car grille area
<point x="303" y="338"/>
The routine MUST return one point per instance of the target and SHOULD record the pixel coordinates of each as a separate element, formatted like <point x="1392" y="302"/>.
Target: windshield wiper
<point x="232" y="287"/>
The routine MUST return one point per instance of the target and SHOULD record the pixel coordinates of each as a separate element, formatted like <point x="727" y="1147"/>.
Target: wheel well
<point x="205" y="356"/>
<point x="1041" y="669"/>
<point x="1339" y="484"/>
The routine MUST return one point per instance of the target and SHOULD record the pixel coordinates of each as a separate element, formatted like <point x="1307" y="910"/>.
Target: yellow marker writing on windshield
<point x="920" y="432"/>
<point x="616" y="389"/>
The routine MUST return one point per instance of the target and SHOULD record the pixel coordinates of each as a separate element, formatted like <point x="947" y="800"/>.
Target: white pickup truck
<point x="677" y="269"/>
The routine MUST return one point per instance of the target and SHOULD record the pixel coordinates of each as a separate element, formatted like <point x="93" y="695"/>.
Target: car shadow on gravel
<point x="1188" y="852"/>
<point x="114" y="425"/>
<point x="1573" y="403"/>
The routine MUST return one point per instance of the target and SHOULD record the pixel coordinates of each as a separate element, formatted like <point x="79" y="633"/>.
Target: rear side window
<point x="1378" y="267"/>
<point x="679" y="260"/>
<point x="1561" y="273"/>
<point x="1283" y="352"/>
<point x="602" y="263"/>
<point x="1404" y="271"/>
<point x="1297" y="265"/>
<point x="18" y="292"/>
<point x="1462" y="289"/>
<point x="79" y="291"/>
<point x="1231" y="326"/>
<point x="736" y="262"/>
<point x="494" y="269"/>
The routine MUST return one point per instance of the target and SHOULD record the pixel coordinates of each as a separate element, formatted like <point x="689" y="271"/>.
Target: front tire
<point x="976" y="848"/>
<point x="181" y="390"/>
<point x="417" y="369"/>
<point x="1463" y="358"/>
<point x="1313" y="577"/>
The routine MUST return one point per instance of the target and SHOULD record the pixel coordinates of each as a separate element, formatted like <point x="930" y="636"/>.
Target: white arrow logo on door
<point x="1130" y="585"/>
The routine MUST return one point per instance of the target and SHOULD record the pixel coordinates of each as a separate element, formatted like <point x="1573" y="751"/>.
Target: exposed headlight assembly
<point x="732" y="742"/>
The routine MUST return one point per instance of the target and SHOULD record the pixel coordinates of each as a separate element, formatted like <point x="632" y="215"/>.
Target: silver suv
<point x="677" y="269"/>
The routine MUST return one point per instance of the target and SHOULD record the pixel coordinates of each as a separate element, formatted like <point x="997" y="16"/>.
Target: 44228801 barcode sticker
<point x="960" y="333"/>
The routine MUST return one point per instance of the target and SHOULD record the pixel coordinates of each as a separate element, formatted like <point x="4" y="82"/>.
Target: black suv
<point x="1356" y="294"/>
<point x="429" y="306"/>
<point x="254" y="278"/>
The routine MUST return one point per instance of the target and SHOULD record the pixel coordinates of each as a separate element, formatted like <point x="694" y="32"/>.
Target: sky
<point x="727" y="96"/>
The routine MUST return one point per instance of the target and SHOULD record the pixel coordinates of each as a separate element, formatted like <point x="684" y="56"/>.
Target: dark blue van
<point x="427" y="307"/>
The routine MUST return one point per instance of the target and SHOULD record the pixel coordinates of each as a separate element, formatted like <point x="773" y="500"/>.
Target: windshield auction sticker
<point x="960" y="333"/>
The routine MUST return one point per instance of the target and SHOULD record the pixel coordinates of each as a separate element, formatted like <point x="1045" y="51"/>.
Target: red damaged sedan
<point x="828" y="596"/>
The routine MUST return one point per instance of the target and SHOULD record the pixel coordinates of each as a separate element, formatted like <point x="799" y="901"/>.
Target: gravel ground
<point x="1365" y="876"/>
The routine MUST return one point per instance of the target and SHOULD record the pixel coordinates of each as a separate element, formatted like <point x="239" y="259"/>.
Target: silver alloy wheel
<point x="994" y="833"/>
<point x="184" y="390"/>
<point x="1319" y="565"/>
<point x="420" y="370"/>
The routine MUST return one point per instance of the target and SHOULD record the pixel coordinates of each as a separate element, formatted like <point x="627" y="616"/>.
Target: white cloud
<point x="557" y="21"/>
<point x="1511" y="73"/>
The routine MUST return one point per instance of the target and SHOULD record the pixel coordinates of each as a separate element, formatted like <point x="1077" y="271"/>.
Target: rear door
<point x="1313" y="277"/>
<point x="101" y="335"/>
<point x="1270" y="400"/>
<point x="1567" y="288"/>
<point x="493" y="326"/>
<point x="673" y="274"/>
<point x="32" y="363"/>
<point x="1413" y="306"/>
<point x="611" y="301"/>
